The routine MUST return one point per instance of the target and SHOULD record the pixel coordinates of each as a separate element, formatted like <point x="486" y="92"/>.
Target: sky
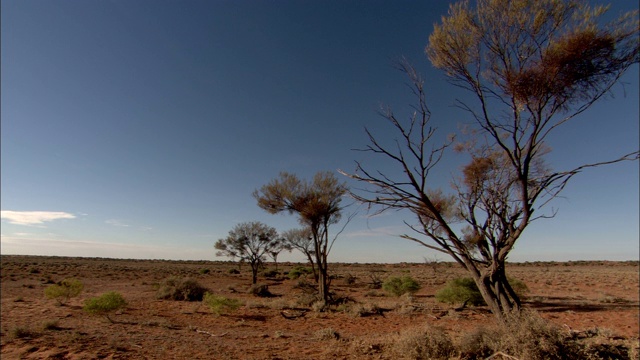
<point x="140" y="129"/>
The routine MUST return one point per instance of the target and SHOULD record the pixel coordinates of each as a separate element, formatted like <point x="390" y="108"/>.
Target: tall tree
<point x="302" y="240"/>
<point x="250" y="242"/>
<point x="317" y="204"/>
<point x="532" y="66"/>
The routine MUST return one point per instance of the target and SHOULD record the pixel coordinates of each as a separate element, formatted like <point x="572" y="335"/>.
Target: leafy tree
<point x="249" y="242"/>
<point x="317" y="203"/>
<point x="302" y="240"/>
<point x="531" y="67"/>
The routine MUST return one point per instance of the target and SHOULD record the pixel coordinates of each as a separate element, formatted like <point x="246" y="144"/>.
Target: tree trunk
<point x="254" y="272"/>
<point x="497" y="292"/>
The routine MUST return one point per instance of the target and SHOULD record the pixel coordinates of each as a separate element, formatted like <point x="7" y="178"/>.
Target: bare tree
<point x="250" y="242"/>
<point x="532" y="66"/>
<point x="317" y="203"/>
<point x="302" y="240"/>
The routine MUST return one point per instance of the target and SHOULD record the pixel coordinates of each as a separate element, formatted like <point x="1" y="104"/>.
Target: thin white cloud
<point x="33" y="218"/>
<point x="116" y="222"/>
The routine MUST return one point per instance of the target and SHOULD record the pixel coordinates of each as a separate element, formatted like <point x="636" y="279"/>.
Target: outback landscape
<point x="595" y="303"/>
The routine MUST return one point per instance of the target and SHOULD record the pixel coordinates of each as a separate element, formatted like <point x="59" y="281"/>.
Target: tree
<point x="302" y="240"/>
<point x="250" y="242"/>
<point x="532" y="66"/>
<point x="317" y="203"/>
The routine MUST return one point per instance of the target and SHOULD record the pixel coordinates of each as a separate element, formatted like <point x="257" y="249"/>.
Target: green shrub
<point x="105" y="304"/>
<point x="177" y="289"/>
<point x="204" y="271"/>
<point x="298" y="271"/>
<point x="64" y="290"/>
<point x="220" y="304"/>
<point x="399" y="286"/>
<point x="465" y="289"/>
<point x="460" y="290"/>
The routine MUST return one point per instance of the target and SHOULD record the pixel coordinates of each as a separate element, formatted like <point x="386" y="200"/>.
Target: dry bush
<point x="524" y="335"/>
<point x="424" y="343"/>
<point x="173" y="288"/>
<point x="260" y="290"/>
<point x="327" y="334"/>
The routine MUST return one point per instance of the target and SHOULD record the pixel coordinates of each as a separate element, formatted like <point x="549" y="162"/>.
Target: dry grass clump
<point x="327" y="334"/>
<point x="523" y="335"/>
<point x="260" y="290"/>
<point x="424" y="343"/>
<point x="186" y="289"/>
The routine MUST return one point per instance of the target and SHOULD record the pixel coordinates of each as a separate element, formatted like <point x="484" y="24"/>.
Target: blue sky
<point x="140" y="129"/>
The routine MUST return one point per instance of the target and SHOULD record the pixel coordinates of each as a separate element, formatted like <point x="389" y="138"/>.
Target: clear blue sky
<point x="140" y="129"/>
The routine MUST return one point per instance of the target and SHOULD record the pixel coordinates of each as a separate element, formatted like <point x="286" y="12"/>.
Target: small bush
<point x="204" y="271"/>
<point x="350" y="279"/>
<point x="105" y="304"/>
<point x="299" y="271"/>
<point x="64" y="290"/>
<point x="460" y="290"/>
<point x="233" y="271"/>
<point x="398" y="286"/>
<point x="177" y="289"/>
<point x="220" y="304"/>
<point x="260" y="290"/>
<point x="270" y="273"/>
<point x="51" y="325"/>
<point x="23" y="333"/>
<point x="524" y="335"/>
<point x="425" y="343"/>
<point x="327" y="334"/>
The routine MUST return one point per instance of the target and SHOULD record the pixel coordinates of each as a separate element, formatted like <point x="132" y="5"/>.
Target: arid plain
<point x="599" y="300"/>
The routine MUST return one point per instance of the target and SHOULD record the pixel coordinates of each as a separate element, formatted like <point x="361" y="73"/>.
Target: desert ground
<point x="599" y="298"/>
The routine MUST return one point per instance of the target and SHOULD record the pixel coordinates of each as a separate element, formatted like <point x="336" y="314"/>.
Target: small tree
<point x="302" y="240"/>
<point x="532" y="66"/>
<point x="317" y="203"/>
<point x="249" y="242"/>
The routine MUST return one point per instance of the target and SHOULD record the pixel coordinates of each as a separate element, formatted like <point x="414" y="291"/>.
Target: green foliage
<point x="460" y="290"/>
<point x="298" y="271"/>
<point x="220" y="304"/>
<point x="399" y="286"/>
<point x="64" y="290"/>
<point x="204" y="271"/>
<point x="186" y="289"/>
<point x="104" y="304"/>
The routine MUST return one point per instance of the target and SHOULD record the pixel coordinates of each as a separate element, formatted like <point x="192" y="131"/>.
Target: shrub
<point x="465" y="289"/>
<point x="327" y="334"/>
<point x="270" y="273"/>
<point x="424" y="343"/>
<point x="105" y="304"/>
<point x="233" y="271"/>
<point x="23" y="333"/>
<point x="177" y="289"/>
<point x="524" y="335"/>
<point x="220" y="304"/>
<point x="350" y="279"/>
<point x="64" y="290"/>
<point x="298" y="271"/>
<point x="204" y="271"/>
<point x="260" y="290"/>
<point x="398" y="286"/>
<point x="460" y="290"/>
